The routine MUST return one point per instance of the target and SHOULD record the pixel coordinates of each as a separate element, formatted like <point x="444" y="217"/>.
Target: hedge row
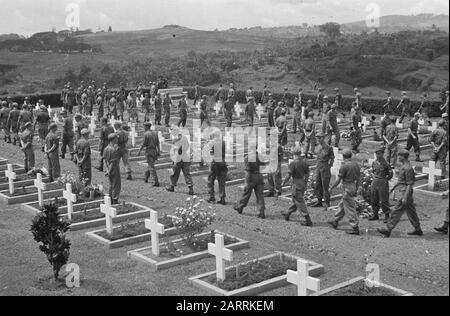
<point x="370" y="105"/>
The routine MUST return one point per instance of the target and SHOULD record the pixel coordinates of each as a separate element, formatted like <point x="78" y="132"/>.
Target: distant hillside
<point x="397" y="23"/>
<point x="7" y="37"/>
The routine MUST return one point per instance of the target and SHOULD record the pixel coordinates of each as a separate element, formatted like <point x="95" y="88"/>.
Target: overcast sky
<point x="30" y="16"/>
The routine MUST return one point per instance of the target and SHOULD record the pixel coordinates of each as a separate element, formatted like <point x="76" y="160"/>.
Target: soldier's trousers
<point x="298" y="201"/>
<point x="348" y="205"/>
<point x="310" y="144"/>
<point x="253" y="182"/>
<point x="85" y="172"/>
<point x="177" y="168"/>
<point x="29" y="159"/>
<point x="399" y="210"/>
<point x="15" y="132"/>
<point x="323" y="177"/>
<point x="229" y="118"/>
<point x="167" y="118"/>
<point x="102" y="160"/>
<point x="392" y="154"/>
<point x="183" y="119"/>
<point x="67" y="141"/>
<point x="337" y="136"/>
<point x="274" y="180"/>
<point x="54" y="169"/>
<point x="115" y="183"/>
<point x="271" y="118"/>
<point x="151" y="161"/>
<point x="441" y="156"/>
<point x="380" y="196"/>
<point x="218" y="173"/>
<point x="158" y="115"/>
<point x="413" y="143"/>
<point x="250" y="119"/>
<point x="123" y="154"/>
<point x="297" y="121"/>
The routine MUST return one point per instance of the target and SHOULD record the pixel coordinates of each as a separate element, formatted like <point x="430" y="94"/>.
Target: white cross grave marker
<point x="433" y="127"/>
<point x="11" y="175"/>
<point x="432" y="172"/>
<point x="49" y="111"/>
<point x="259" y="111"/>
<point x="109" y="212"/>
<point x="199" y="107"/>
<point x="218" y="107"/>
<point x="55" y="118"/>
<point x="398" y="124"/>
<point x="156" y="230"/>
<point x="70" y="198"/>
<point x="238" y="110"/>
<point x="221" y="253"/>
<point x="365" y="123"/>
<point x="371" y="161"/>
<point x="92" y="125"/>
<point x="133" y="134"/>
<point x="302" y="279"/>
<point x="161" y="140"/>
<point x="338" y="159"/>
<point x="41" y="186"/>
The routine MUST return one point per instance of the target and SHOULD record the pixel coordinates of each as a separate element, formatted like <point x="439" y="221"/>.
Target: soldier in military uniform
<point x="4" y="114"/>
<point x="413" y="137"/>
<point x="405" y="105"/>
<point x="105" y="131"/>
<point x="326" y="107"/>
<point x="297" y="122"/>
<point x="271" y="105"/>
<point x="299" y="173"/>
<point x="310" y="136"/>
<point x="281" y="124"/>
<point x="83" y="151"/>
<point x="349" y="176"/>
<point x="356" y="135"/>
<point x="111" y="157"/>
<point x="152" y="152"/>
<point x="25" y="116"/>
<point x="183" y="112"/>
<point x="390" y="138"/>
<point x="332" y="126"/>
<point x="167" y="105"/>
<point x="204" y="115"/>
<point x="338" y="99"/>
<point x="132" y="108"/>
<point x="275" y="178"/>
<point x="229" y="108"/>
<point x="122" y="141"/>
<point x="439" y="141"/>
<point x="100" y="106"/>
<point x="146" y="107"/>
<point x="181" y="158"/>
<point x="158" y="109"/>
<point x="325" y="160"/>
<point x="406" y="180"/>
<point x="43" y="121"/>
<point x="13" y="122"/>
<point x="52" y="152"/>
<point x="26" y="137"/>
<point x="382" y="174"/>
<point x="249" y="94"/>
<point x="444" y="228"/>
<point x="232" y="93"/>
<point x="319" y="100"/>
<point x="385" y="121"/>
<point x="219" y="169"/>
<point x="196" y="93"/>
<point x="254" y="181"/>
<point x="250" y="111"/>
<point x="68" y="135"/>
<point x="80" y="124"/>
<point x="309" y="109"/>
<point x="388" y="107"/>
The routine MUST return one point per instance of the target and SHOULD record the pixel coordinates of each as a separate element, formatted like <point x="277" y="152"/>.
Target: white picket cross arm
<point x="156" y="230"/>
<point x="109" y="212"/>
<point x="302" y="280"/>
<point x="221" y="253"/>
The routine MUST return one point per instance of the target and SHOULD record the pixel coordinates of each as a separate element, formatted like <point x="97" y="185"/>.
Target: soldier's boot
<point x="417" y="232"/>
<point x="374" y="217"/>
<point x="386" y="218"/>
<point x="222" y="201"/>
<point x="385" y="232"/>
<point x="156" y="184"/>
<point x="354" y="231"/>
<point x="14" y="142"/>
<point x="72" y="158"/>
<point x="9" y="140"/>
<point x="147" y="176"/>
<point x="262" y="215"/>
<point x="170" y="188"/>
<point x="308" y="222"/>
<point x="333" y="224"/>
<point x="287" y="216"/>
<point x="191" y="191"/>
<point x="129" y="178"/>
<point x="238" y="209"/>
<point x="443" y="229"/>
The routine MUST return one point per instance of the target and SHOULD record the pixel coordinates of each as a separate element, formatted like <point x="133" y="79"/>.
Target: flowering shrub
<point x="366" y="180"/>
<point x="193" y="218"/>
<point x="77" y="185"/>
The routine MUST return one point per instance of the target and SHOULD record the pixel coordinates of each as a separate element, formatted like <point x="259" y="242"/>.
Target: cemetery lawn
<point x="440" y="186"/>
<point x="21" y="191"/>
<point x="89" y="215"/>
<point x="361" y="289"/>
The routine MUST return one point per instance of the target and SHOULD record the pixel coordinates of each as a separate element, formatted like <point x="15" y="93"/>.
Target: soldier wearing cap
<point x="275" y="178"/>
<point x="405" y="184"/>
<point x="325" y="109"/>
<point x="310" y="136"/>
<point x="250" y="110"/>
<point x="105" y="131"/>
<point x="26" y="138"/>
<point x="356" y="134"/>
<point x="229" y="109"/>
<point x="281" y="124"/>
<point x="299" y="173"/>
<point x="390" y="138"/>
<point x="4" y="114"/>
<point x="219" y="168"/>
<point x="167" y="106"/>
<point x="405" y="105"/>
<point x="325" y="160"/>
<point x="388" y="107"/>
<point x="204" y="115"/>
<point x="332" y="126"/>
<point x="42" y="121"/>
<point x="271" y="105"/>
<point x="132" y="107"/>
<point x="232" y="93"/>
<point x="13" y="122"/>
<point x="297" y="121"/>
<point x="382" y="174"/>
<point x="412" y="140"/>
<point x="146" y="107"/>
<point x="249" y="94"/>
<point x="349" y="176"/>
<point x="51" y="150"/>
<point x="439" y="140"/>
<point x="80" y="124"/>
<point x="338" y="98"/>
<point x="68" y="136"/>
<point x="319" y="100"/>
<point x="122" y="141"/>
<point x="152" y="152"/>
<point x="111" y="157"/>
<point x="83" y="155"/>
<point x="181" y="157"/>
<point x="26" y="115"/>
<point x="158" y="109"/>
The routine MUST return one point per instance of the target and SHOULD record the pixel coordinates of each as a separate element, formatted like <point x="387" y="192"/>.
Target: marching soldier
<point x="105" y="131"/>
<point x="122" y="141"/>
<point x="439" y="141"/>
<point x="299" y="173"/>
<point x="319" y="100"/>
<point x="83" y="152"/>
<point x="254" y="181"/>
<point x="132" y="108"/>
<point x="332" y="126"/>
<point x="68" y="136"/>
<point x="26" y="138"/>
<point x="51" y="150"/>
<point x="405" y="104"/>
<point x="310" y="136"/>
<point x="325" y="160"/>
<point x="181" y="162"/>
<point x="229" y="108"/>
<point x="25" y="116"/>
<point x="146" y="107"/>
<point x="275" y="178"/>
<point x="390" y="138"/>
<point x="338" y="99"/>
<point x="167" y="105"/>
<point x="271" y="105"/>
<point x="325" y="109"/>
<point x="219" y="169"/>
<point x="43" y="121"/>
<point x="4" y="114"/>
<point x="388" y="107"/>
<point x="158" y="109"/>
<point x="232" y="93"/>
<point x="111" y="157"/>
<point x="183" y="111"/>
<point x="204" y="116"/>
<point x="13" y="122"/>
<point x="444" y="228"/>
<point x="412" y="140"/>
<point x="281" y="124"/>
<point x="250" y="111"/>
<point x="356" y="136"/>
<point x="406" y="180"/>
<point x="349" y="176"/>
<point x="382" y="174"/>
<point x="297" y="123"/>
<point x="152" y="152"/>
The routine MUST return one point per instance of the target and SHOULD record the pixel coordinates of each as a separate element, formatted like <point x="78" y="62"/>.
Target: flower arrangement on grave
<point x="193" y="219"/>
<point x="70" y="178"/>
<point x="49" y="229"/>
<point x="93" y="191"/>
<point x="35" y="171"/>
